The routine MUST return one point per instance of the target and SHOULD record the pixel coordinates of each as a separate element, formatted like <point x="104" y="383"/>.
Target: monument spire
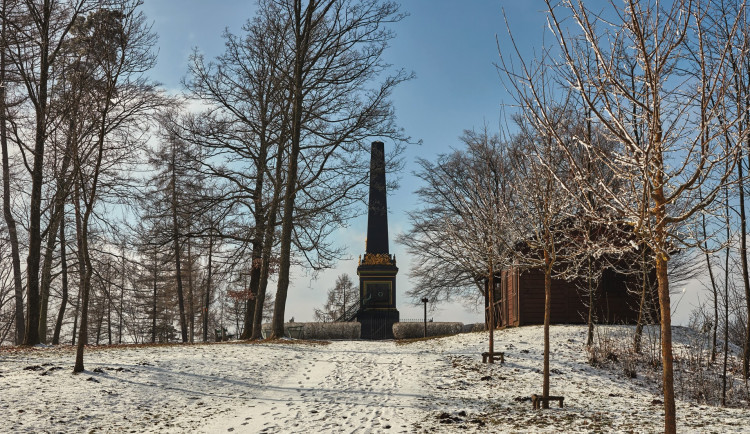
<point x="377" y="216"/>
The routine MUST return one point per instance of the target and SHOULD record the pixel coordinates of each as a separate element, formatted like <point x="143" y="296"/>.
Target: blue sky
<point x="450" y="45"/>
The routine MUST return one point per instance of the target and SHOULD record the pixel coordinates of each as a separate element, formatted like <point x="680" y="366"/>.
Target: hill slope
<point x="345" y="386"/>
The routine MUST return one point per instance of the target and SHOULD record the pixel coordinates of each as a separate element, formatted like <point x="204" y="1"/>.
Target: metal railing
<point x="349" y="314"/>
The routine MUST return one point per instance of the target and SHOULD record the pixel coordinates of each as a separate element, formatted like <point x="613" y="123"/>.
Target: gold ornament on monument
<point x="378" y="259"/>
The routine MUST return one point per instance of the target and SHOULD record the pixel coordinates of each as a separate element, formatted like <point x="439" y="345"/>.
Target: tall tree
<point x="270" y="225"/>
<point x="242" y="131"/>
<point x="335" y="48"/>
<point x="64" y="284"/>
<point x="37" y="42"/>
<point x="10" y="220"/>
<point x="176" y="235"/>
<point x="118" y="45"/>
<point x="463" y="200"/>
<point x="168" y="206"/>
<point x="341" y="297"/>
<point x="69" y="95"/>
<point x="542" y="212"/>
<point x="671" y="147"/>
<point x="727" y="23"/>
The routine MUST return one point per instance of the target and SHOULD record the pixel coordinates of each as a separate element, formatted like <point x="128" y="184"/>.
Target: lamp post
<point x="425" y="300"/>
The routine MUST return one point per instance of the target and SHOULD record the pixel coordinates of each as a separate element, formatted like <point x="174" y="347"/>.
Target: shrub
<point x="412" y="330"/>
<point x="321" y="330"/>
<point x="331" y="330"/>
<point x="476" y="327"/>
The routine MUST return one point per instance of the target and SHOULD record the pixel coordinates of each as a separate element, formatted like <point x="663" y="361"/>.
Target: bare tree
<point x="37" y="41"/>
<point x="64" y="284"/>
<point x="167" y="205"/>
<point x="461" y="225"/>
<point x="334" y="105"/>
<point x="177" y="237"/>
<point x="7" y="310"/>
<point x="213" y="221"/>
<point x="542" y="212"/>
<point x="242" y="133"/>
<point x="118" y="43"/>
<point x="7" y="209"/>
<point x="669" y="126"/>
<point x="341" y="297"/>
<point x="726" y="23"/>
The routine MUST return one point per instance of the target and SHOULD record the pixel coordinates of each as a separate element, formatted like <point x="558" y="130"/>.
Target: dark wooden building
<point x="519" y="299"/>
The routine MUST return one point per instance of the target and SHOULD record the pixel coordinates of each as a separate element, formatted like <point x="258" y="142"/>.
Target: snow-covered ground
<point x="437" y="385"/>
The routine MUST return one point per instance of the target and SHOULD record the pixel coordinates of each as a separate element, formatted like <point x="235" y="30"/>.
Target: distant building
<point x="519" y="292"/>
<point x="519" y="299"/>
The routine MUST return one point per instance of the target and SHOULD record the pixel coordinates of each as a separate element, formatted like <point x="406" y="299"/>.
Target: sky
<point x="451" y="46"/>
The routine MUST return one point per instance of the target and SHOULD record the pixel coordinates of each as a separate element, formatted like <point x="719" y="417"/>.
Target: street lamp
<point x="425" y="300"/>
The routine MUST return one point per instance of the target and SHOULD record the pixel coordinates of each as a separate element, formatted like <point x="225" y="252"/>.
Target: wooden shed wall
<point x="510" y="290"/>
<point x="522" y="293"/>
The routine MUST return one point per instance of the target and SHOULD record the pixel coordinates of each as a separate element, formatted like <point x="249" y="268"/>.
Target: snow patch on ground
<point x="345" y="386"/>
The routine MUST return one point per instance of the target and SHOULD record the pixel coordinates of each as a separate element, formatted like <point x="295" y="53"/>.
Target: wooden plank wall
<point x="524" y="296"/>
<point x="510" y="296"/>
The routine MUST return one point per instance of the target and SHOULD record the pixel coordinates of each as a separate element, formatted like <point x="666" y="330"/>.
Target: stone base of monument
<point x="377" y="323"/>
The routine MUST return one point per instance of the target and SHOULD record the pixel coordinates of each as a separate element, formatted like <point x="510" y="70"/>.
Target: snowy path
<point x="438" y="385"/>
<point x="335" y="389"/>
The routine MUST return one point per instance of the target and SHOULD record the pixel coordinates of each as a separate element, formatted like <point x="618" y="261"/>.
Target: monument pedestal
<point x="377" y="286"/>
<point x="377" y="323"/>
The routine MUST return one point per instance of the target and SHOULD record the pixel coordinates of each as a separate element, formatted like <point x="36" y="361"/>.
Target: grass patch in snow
<point x="422" y="339"/>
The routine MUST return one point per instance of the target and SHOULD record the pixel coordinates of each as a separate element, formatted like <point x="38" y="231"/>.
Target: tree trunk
<point x="255" y="271"/>
<point x="265" y="271"/>
<point x="590" y="204"/>
<point x="726" y="350"/>
<point x="84" y="277"/>
<point x="122" y="296"/>
<point x="670" y="424"/>
<point x="109" y="303"/>
<point x="10" y="221"/>
<point x="642" y="304"/>
<point x="286" y="244"/>
<point x="64" y="276"/>
<point x="99" y="323"/>
<point x="89" y="203"/>
<point x="726" y="301"/>
<point x="591" y="289"/>
<point x="153" y="298"/>
<point x="547" y="317"/>
<point x="177" y="261"/>
<point x="75" y="316"/>
<point x="491" y="302"/>
<point x="259" y="239"/>
<point x="191" y="299"/>
<point x="302" y="35"/>
<point x="743" y="262"/>
<point x="268" y="240"/>
<point x="37" y="180"/>
<point x="209" y="278"/>
<point x="46" y="278"/>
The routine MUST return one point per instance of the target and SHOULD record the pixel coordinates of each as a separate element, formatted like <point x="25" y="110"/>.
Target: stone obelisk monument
<point x="377" y="268"/>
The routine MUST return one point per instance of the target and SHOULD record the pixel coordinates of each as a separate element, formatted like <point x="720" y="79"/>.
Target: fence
<point x="414" y="320"/>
